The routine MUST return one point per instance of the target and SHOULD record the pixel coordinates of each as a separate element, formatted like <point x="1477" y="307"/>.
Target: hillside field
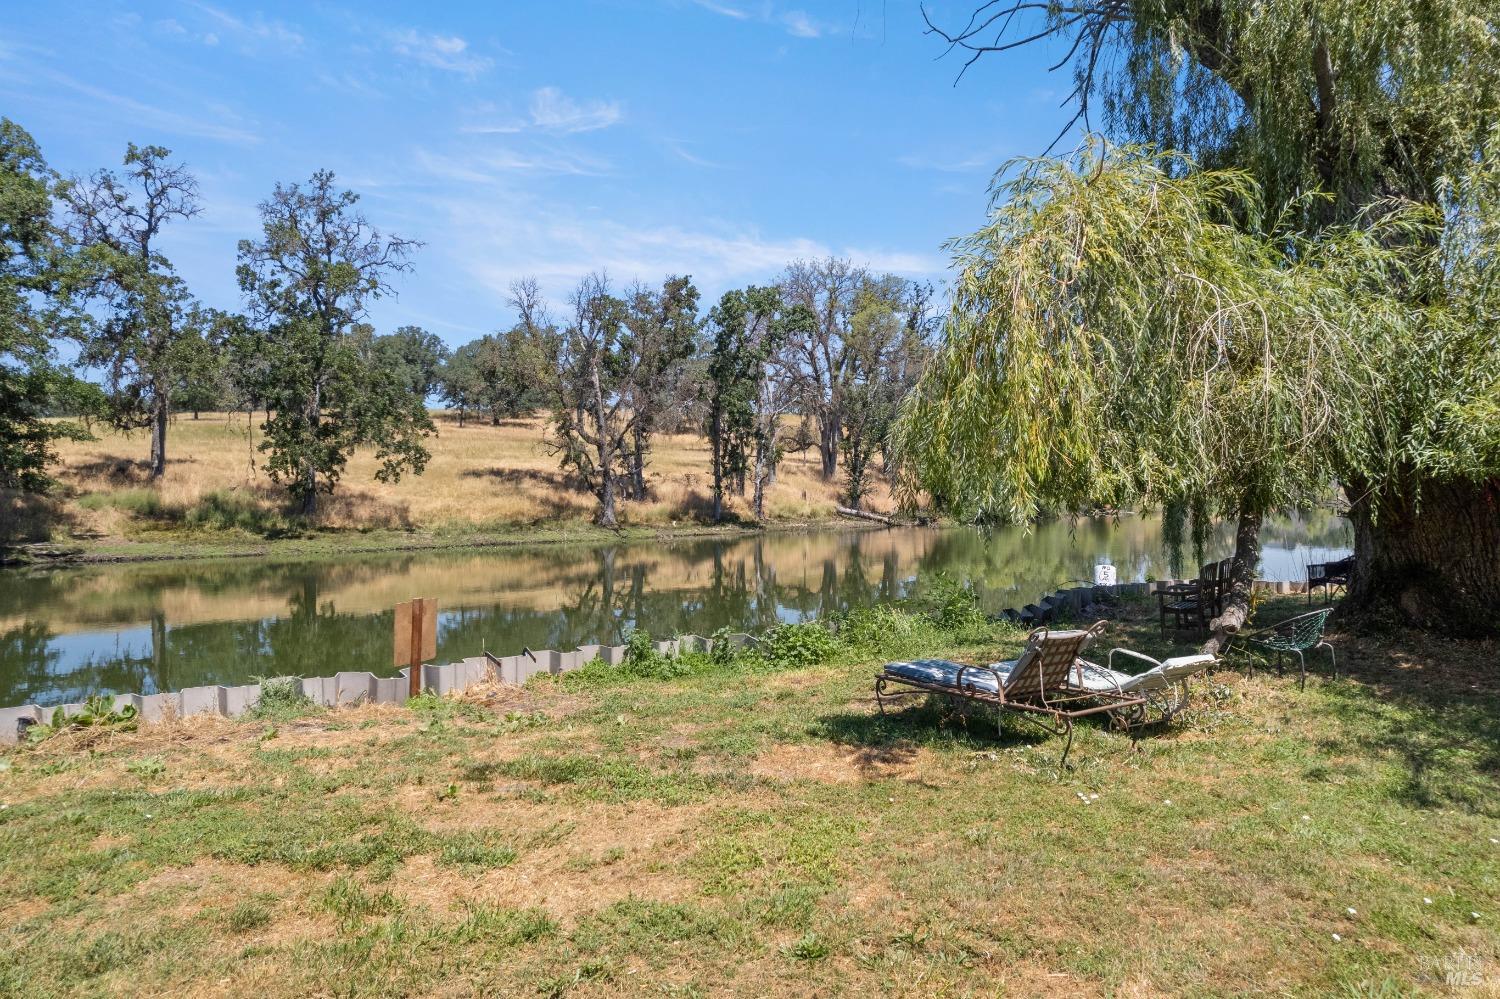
<point x="481" y="478"/>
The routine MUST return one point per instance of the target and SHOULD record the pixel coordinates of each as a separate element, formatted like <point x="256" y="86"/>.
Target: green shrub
<point x="809" y="948"/>
<point x="724" y="654"/>
<point x="147" y="767"/>
<point x="98" y="710"/>
<point x="872" y="628"/>
<point x="346" y="898"/>
<point x="792" y="646"/>
<point x="643" y="659"/>
<point x="475" y="849"/>
<point x="951" y="605"/>
<point x="247" y="916"/>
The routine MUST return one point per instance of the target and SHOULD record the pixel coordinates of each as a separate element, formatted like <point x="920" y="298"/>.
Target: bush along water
<point x="943" y="613"/>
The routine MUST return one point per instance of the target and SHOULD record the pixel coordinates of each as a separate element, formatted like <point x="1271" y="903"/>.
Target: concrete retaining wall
<point x="357" y="688"/>
<point x="366" y="688"/>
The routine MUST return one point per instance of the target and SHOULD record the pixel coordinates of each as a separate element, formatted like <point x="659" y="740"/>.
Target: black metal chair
<point x="1190" y="604"/>
<point x="1329" y="575"/>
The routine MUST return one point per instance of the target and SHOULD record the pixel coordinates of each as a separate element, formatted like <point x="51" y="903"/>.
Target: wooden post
<point x="416" y="637"/>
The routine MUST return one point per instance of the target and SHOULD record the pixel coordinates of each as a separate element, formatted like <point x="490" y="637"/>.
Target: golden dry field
<point x="481" y="477"/>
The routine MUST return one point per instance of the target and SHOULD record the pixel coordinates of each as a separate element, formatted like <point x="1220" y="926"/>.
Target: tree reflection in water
<point x="64" y="634"/>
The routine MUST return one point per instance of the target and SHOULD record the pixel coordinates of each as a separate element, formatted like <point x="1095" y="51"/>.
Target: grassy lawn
<point x="483" y="484"/>
<point x="760" y="831"/>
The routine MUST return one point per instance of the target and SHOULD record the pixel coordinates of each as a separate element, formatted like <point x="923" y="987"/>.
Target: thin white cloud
<point x="488" y="119"/>
<point x="724" y="9"/>
<point x="795" y="22"/>
<point x="555" y="111"/>
<point x="955" y="164"/>
<point x="251" y="33"/>
<point x="350" y="83"/>
<point x="800" y="25"/>
<point x="446" y="52"/>
<point x="493" y="218"/>
<point x="549" y="110"/>
<point x="680" y="150"/>
<point x="493" y="166"/>
<point x="220" y="127"/>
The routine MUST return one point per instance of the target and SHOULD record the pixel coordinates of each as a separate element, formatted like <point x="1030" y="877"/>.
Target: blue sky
<point x="720" y="138"/>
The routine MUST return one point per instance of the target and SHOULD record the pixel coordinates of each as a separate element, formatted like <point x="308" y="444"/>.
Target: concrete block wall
<point x="351" y="688"/>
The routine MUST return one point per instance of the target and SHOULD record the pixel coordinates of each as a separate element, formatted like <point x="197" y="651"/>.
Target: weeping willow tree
<point x="1120" y="335"/>
<point x="1368" y="104"/>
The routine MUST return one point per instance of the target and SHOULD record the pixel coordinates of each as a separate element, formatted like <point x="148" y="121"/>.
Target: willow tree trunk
<point x="761" y="473"/>
<point x="1241" y="581"/>
<point x="638" y="463"/>
<point x="1429" y="556"/>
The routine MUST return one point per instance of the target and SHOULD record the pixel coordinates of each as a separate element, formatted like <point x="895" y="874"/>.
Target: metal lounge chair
<point x="1035" y="688"/>
<point x="1297" y="635"/>
<point x="1164" y="685"/>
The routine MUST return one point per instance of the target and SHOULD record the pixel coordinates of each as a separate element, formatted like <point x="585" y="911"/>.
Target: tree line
<point x="1275" y="272"/>
<point x="818" y="359"/>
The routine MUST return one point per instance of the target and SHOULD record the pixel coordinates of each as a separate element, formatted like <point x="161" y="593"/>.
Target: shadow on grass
<point x="30" y="517"/>
<point x="1426" y="701"/>
<point x="115" y="471"/>
<point x="698" y="506"/>
<point x="1433" y="704"/>
<point x="928" y="722"/>
<point x="551" y="478"/>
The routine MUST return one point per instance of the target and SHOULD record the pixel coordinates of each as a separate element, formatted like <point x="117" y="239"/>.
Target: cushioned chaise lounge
<point x="1037" y="687"/>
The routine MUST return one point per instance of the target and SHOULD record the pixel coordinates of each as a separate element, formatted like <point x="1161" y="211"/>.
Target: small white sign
<point x="1104" y="575"/>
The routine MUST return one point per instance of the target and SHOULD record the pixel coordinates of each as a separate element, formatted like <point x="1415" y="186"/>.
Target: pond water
<point x="67" y="633"/>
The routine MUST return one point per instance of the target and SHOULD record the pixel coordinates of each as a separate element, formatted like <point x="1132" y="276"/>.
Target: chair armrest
<point x="1080" y="665"/>
<point x="958" y="681"/>
<point x="1133" y="654"/>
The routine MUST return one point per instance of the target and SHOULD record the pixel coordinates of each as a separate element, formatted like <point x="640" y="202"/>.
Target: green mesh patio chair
<point x="1295" y="635"/>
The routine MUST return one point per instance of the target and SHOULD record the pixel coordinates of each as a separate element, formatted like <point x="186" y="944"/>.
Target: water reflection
<point x="67" y="633"/>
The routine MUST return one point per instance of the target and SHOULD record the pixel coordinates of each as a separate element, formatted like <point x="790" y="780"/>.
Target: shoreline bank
<point x="340" y="544"/>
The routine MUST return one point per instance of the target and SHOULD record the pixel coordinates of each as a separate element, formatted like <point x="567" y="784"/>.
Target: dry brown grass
<point x="479" y="475"/>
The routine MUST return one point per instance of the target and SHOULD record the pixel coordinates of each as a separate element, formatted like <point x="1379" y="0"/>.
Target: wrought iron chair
<point x="1295" y="635"/>
<point x="1035" y="688"/>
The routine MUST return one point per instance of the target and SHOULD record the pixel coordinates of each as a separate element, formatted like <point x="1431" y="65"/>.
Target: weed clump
<point x="281" y="698"/>
<point x="99" y="711"/>
<point x="230" y="510"/>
